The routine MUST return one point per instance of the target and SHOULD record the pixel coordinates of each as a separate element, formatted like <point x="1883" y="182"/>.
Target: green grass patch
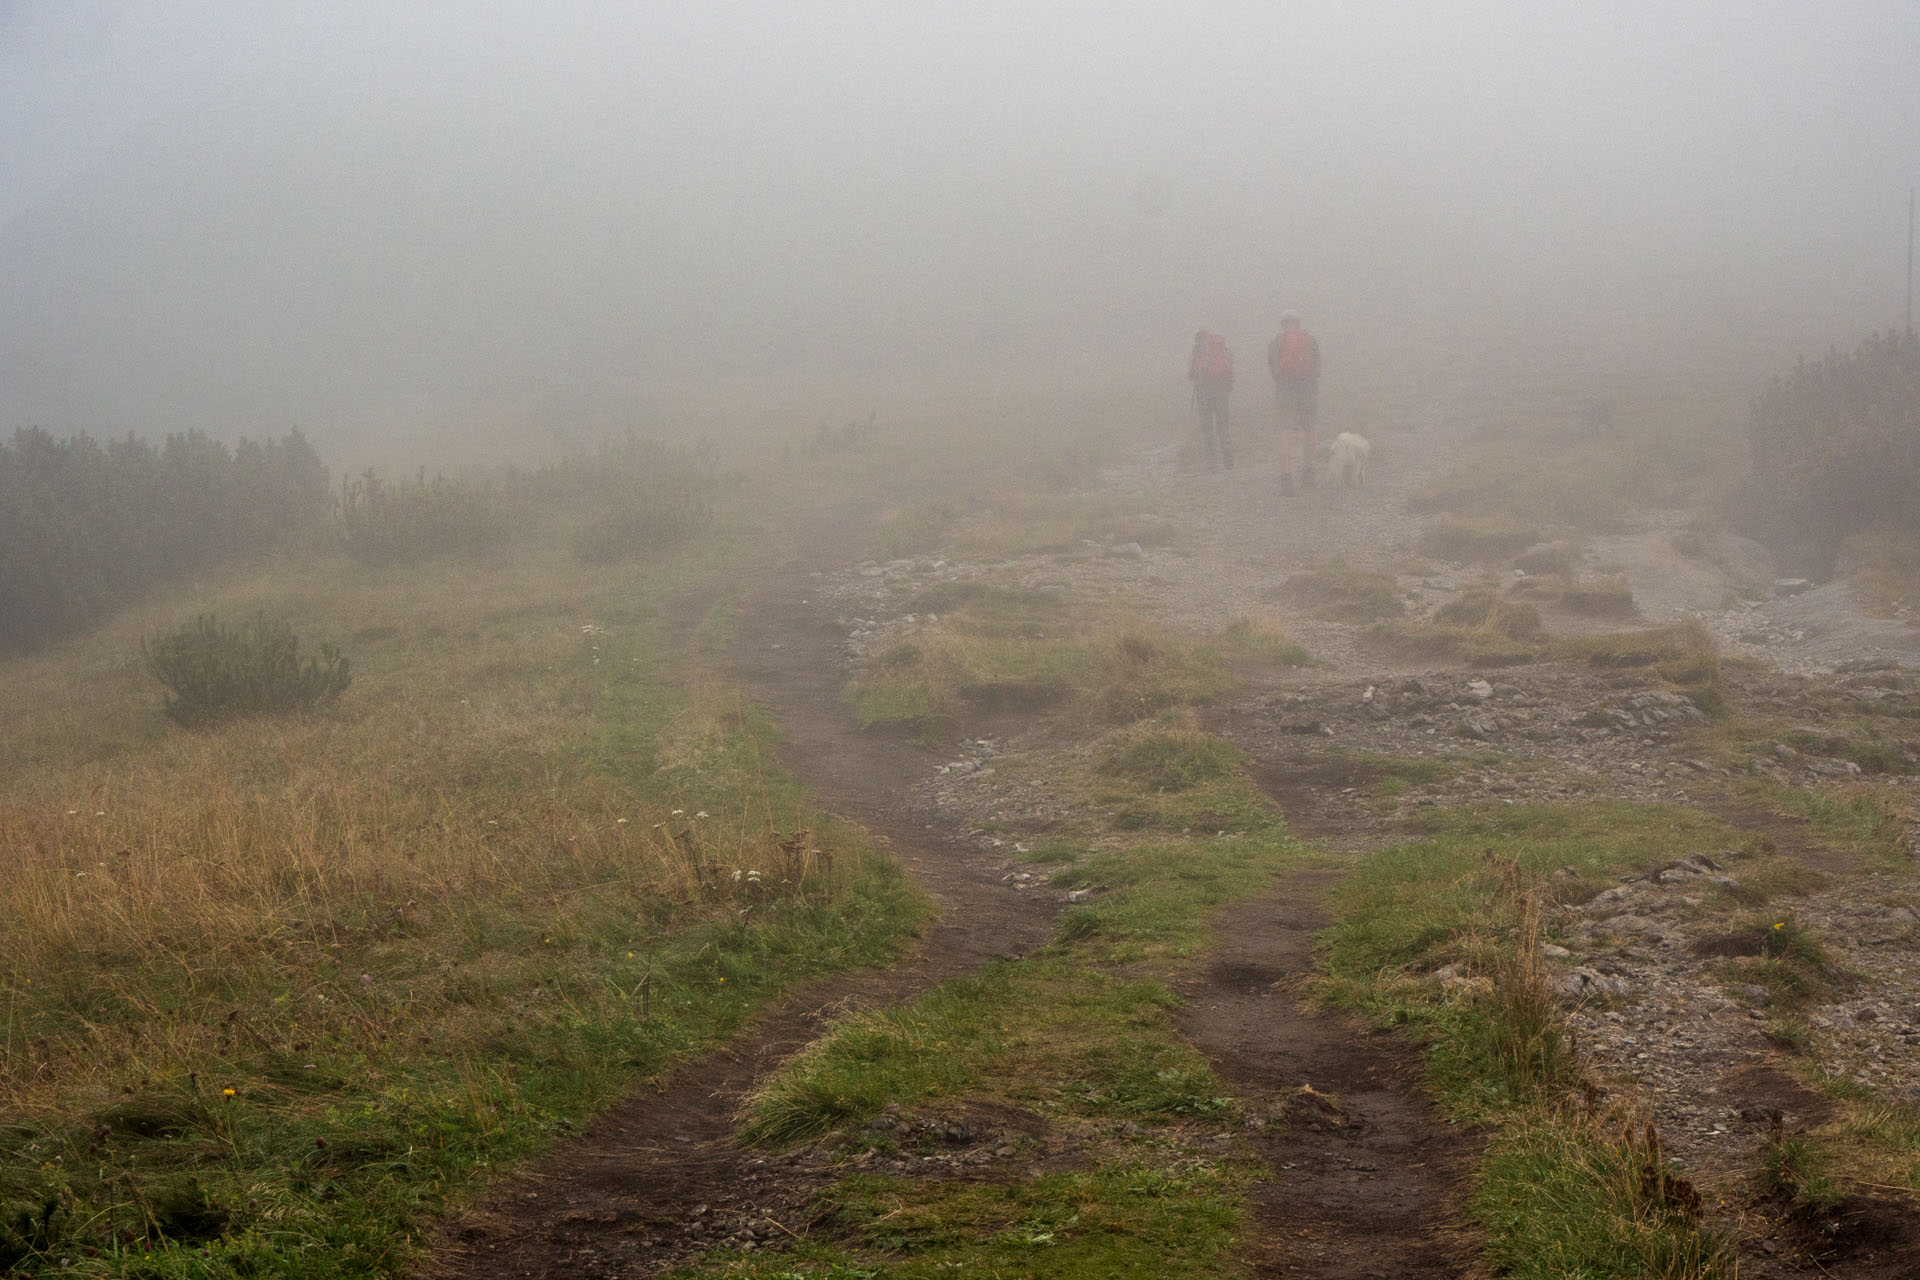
<point x="1172" y="759"/>
<point x="1460" y="897"/>
<point x="1479" y="628"/>
<point x="1777" y="952"/>
<point x="1387" y="776"/>
<point x="1122" y="1220"/>
<point x="1682" y="656"/>
<point x="1562" y="1195"/>
<point x="1057" y="1032"/>
<point x="1870" y="820"/>
<point x="1863" y="744"/>
<point x="1166" y="775"/>
<point x="1159" y="896"/>
<point x="1045" y="1035"/>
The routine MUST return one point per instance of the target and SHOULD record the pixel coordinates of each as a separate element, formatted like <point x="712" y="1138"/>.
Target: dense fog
<point x="513" y="225"/>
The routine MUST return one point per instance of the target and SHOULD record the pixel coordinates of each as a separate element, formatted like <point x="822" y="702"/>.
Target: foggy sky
<point x="384" y="218"/>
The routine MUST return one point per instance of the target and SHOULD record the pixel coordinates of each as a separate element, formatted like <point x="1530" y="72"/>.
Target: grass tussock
<point x="1258" y="639"/>
<point x="1345" y="593"/>
<point x="1777" y="952"/>
<point x="1172" y="759"/>
<point x="1479" y="628"/>
<point x="1563" y="1193"/>
<point x="1683" y="656"/>
<point x="1553" y="560"/>
<point x="994" y="651"/>
<point x="1167" y="775"/>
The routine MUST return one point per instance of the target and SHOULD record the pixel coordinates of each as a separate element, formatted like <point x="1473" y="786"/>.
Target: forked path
<point x="1363" y="1173"/>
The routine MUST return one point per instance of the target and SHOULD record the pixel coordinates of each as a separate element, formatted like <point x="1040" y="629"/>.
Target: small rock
<point x="1751" y="993"/>
<point x="1479" y="690"/>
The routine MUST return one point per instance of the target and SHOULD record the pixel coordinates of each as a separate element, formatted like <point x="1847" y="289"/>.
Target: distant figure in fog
<point x="1293" y="357"/>
<point x="1210" y="369"/>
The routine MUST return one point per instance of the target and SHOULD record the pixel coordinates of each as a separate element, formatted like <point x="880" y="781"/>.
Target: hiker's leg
<point x="1309" y="394"/>
<point x="1226" y="443"/>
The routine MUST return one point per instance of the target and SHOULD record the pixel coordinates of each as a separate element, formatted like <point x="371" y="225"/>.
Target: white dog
<point x="1347" y="459"/>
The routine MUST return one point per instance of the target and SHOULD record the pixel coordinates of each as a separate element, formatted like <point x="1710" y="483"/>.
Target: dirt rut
<point x="1364" y="1171"/>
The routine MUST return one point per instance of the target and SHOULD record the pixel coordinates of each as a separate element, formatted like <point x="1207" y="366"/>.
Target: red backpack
<point x="1293" y="356"/>
<point x="1215" y="360"/>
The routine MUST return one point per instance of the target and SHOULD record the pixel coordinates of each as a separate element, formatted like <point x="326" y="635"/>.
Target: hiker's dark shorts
<point x="1299" y="404"/>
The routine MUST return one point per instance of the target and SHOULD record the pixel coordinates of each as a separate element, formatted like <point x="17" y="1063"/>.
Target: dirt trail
<point x="1364" y="1173"/>
<point x="659" y="1178"/>
<point x="1366" y="1177"/>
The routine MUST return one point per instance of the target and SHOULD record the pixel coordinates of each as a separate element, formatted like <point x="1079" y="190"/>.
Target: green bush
<point x="1836" y="451"/>
<point x="214" y="672"/>
<point x="382" y="523"/>
<point x="87" y="526"/>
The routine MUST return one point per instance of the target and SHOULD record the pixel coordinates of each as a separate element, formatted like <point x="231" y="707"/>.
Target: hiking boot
<point x="1286" y="484"/>
<point x="1306" y="477"/>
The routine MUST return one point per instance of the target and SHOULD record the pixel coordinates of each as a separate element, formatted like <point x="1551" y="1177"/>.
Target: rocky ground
<point x="1366" y="1180"/>
<point x="1651" y="975"/>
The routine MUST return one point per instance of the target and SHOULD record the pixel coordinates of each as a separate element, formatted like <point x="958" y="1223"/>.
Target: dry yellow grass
<point x="462" y="798"/>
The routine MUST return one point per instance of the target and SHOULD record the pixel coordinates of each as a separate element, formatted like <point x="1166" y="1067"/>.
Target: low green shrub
<point x="215" y="671"/>
<point x="382" y="523"/>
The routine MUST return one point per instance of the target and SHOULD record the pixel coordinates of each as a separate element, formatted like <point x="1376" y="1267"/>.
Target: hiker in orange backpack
<point x="1210" y="369"/>
<point x="1293" y="357"/>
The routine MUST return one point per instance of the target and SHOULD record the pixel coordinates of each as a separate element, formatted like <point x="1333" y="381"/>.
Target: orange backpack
<point x="1215" y="360"/>
<point x="1293" y="356"/>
